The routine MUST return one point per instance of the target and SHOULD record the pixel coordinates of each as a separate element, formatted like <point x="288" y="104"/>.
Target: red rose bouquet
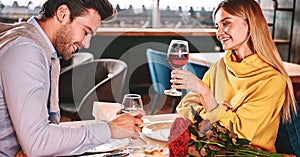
<point x="179" y="137"/>
<point x="201" y="138"/>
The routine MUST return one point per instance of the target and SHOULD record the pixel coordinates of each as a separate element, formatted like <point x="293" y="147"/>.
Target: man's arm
<point x="25" y="78"/>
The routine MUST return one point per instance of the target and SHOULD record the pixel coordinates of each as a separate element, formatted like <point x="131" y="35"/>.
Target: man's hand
<point x="127" y="125"/>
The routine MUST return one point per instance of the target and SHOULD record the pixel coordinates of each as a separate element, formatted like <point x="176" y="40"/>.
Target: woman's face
<point x="232" y="31"/>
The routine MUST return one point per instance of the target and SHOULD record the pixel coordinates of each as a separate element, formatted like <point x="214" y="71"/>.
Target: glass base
<point x="172" y="92"/>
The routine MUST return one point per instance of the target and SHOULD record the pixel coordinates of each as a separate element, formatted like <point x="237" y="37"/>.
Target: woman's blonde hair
<point x="261" y="42"/>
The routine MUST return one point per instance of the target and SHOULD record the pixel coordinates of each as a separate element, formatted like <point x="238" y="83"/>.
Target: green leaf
<point x="242" y="141"/>
<point x="193" y="131"/>
<point x="230" y="145"/>
<point x="223" y="137"/>
<point x="199" y="145"/>
<point x="196" y="115"/>
<point x="209" y="152"/>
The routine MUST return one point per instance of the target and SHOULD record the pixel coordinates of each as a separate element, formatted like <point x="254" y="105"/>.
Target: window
<point x="131" y="13"/>
<point x="169" y="14"/>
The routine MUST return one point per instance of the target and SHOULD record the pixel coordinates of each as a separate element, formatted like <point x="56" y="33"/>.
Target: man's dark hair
<point x="77" y="8"/>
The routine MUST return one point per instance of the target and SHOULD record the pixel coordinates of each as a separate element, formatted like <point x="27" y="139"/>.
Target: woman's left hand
<point x="187" y="80"/>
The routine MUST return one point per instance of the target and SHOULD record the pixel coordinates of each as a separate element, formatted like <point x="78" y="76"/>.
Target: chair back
<point x="288" y="138"/>
<point x="109" y="89"/>
<point x="160" y="73"/>
<point x="77" y="58"/>
<point x="160" y="70"/>
<point x="76" y="81"/>
<point x="197" y="69"/>
<point x="100" y="79"/>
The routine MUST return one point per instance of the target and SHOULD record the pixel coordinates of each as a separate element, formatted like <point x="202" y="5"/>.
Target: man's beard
<point x="63" y="42"/>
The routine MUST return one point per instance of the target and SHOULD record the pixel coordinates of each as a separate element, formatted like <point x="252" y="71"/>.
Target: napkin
<point x="105" y="111"/>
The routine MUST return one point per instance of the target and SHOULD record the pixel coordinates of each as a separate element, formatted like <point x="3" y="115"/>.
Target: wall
<point x="296" y="35"/>
<point x="132" y="50"/>
<point x="283" y="26"/>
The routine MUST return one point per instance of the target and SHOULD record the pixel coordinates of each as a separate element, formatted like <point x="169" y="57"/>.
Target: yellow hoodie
<point x="256" y="92"/>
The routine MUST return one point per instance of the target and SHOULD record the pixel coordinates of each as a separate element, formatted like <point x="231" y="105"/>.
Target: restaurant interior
<point x="119" y="60"/>
<point x="130" y="40"/>
<point x="131" y="43"/>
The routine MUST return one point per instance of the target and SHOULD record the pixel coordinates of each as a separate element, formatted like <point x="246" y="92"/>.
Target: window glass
<point x="168" y="14"/>
<point x="131" y="13"/>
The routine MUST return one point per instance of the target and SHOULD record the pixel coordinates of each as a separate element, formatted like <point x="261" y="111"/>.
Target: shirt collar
<point x="34" y="22"/>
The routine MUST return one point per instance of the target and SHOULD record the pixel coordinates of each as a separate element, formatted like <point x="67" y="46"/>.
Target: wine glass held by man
<point x="240" y="86"/>
<point x="29" y="70"/>
<point x="132" y="102"/>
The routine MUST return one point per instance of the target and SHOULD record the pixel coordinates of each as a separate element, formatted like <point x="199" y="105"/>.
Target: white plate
<point x="158" y="130"/>
<point x="112" y="145"/>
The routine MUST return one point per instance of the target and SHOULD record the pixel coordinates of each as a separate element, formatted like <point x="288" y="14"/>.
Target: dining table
<point x="146" y="140"/>
<point x="209" y="58"/>
<point x="140" y="143"/>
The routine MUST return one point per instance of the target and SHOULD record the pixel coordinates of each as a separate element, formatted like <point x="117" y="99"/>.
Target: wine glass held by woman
<point x="177" y="56"/>
<point x="249" y="80"/>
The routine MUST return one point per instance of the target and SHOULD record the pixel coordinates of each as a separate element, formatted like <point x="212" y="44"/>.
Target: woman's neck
<point x="242" y="54"/>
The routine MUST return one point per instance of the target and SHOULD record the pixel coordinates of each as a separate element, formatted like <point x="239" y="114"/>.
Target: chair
<point x="97" y="80"/>
<point x="197" y="69"/>
<point x="160" y="73"/>
<point x="288" y="138"/>
<point x="77" y="58"/>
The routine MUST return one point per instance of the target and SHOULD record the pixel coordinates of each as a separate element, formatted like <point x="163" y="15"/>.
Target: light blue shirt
<point x="33" y="21"/>
<point x="24" y="91"/>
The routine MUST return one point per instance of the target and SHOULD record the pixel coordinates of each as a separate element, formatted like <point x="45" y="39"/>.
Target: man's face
<point x="73" y="35"/>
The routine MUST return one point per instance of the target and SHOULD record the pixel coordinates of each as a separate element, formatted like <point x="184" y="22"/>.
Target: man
<point x="28" y="59"/>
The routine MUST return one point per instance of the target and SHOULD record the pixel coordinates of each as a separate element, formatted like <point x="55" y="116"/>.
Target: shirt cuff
<point x="99" y="132"/>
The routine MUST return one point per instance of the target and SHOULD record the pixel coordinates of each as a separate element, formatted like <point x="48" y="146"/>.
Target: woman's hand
<point x="187" y="80"/>
<point x="127" y="125"/>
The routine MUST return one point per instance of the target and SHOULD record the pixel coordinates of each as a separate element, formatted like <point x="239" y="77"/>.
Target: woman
<point x="249" y="85"/>
<point x="27" y="52"/>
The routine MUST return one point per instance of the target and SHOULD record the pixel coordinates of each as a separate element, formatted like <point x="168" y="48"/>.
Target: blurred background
<point x="153" y="24"/>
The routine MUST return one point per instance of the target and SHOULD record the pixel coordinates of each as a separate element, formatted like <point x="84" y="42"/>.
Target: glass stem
<point x="172" y="88"/>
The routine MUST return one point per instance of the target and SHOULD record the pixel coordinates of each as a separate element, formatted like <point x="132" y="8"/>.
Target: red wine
<point x="177" y="60"/>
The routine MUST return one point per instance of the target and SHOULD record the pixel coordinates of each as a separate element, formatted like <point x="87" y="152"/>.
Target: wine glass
<point x="132" y="102"/>
<point x="177" y="56"/>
